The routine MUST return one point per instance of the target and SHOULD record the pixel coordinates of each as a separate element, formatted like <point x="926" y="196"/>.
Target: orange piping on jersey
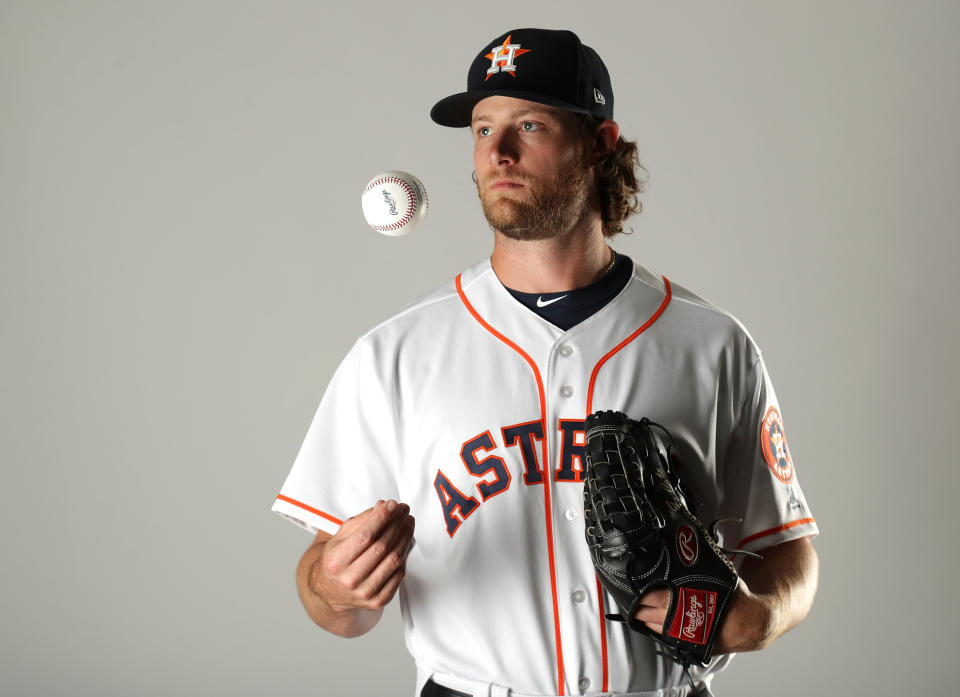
<point x="603" y="635"/>
<point x="546" y="474"/>
<point x="305" y="507"/>
<point x="593" y="381"/>
<point x="646" y="325"/>
<point x="763" y="533"/>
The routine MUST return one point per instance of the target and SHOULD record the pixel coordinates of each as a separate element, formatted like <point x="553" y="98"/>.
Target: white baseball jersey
<point x="470" y="408"/>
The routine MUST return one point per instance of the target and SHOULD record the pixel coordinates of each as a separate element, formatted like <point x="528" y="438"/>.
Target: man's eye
<point x="528" y="126"/>
<point x="483" y="131"/>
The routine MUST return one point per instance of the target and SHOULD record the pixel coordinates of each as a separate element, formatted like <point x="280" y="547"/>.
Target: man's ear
<point x="608" y="133"/>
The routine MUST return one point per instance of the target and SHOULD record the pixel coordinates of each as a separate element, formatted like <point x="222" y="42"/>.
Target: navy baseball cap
<point x="540" y="65"/>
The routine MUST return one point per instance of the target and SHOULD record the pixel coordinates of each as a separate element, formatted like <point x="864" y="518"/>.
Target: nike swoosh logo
<point x="543" y="303"/>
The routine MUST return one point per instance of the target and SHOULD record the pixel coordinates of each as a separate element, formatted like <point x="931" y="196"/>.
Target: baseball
<point x="394" y="203"/>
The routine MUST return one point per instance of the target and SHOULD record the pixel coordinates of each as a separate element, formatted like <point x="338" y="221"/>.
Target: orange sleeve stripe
<point x="281" y="497"/>
<point x="547" y="503"/>
<point x="771" y="531"/>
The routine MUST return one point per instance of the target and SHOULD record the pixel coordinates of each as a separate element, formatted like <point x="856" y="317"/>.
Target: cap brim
<point x="456" y="110"/>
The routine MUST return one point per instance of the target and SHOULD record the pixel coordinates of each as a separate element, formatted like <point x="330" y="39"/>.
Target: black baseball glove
<point x="643" y="536"/>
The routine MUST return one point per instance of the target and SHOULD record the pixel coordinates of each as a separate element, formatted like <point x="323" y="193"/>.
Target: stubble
<point x="545" y="209"/>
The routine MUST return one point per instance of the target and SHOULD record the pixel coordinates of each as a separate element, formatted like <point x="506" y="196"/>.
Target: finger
<point x="394" y="559"/>
<point x="389" y="589"/>
<point x="376" y="595"/>
<point x="651" y="615"/>
<point x="656" y="628"/>
<point x="351" y="524"/>
<point x="371" y="555"/>
<point x="395" y="536"/>
<point x="659" y="598"/>
<point x="364" y="530"/>
<point x="653" y="609"/>
<point x="354" y="536"/>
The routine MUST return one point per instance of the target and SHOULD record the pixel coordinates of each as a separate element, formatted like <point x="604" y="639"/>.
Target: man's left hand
<point x="773" y="596"/>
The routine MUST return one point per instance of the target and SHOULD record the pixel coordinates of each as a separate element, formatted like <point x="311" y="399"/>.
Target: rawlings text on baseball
<point x="394" y="203"/>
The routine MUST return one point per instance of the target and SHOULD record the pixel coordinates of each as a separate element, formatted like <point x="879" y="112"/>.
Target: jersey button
<point x="570" y="514"/>
<point x="566" y="391"/>
<point x="566" y="350"/>
<point x="579" y="596"/>
<point x="584" y="684"/>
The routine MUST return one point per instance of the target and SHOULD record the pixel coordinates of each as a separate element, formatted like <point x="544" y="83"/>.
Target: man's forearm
<point x="776" y="594"/>
<point x="789" y="579"/>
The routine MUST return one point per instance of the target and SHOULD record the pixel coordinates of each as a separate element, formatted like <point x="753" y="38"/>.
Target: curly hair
<point x="620" y="177"/>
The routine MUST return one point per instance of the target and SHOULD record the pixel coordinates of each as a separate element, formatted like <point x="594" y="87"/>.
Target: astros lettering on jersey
<point x="470" y="408"/>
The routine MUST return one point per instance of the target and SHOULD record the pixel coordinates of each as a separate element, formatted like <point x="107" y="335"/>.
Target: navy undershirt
<point x="567" y="309"/>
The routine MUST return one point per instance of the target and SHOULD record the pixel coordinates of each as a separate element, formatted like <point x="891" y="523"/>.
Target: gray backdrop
<point x="183" y="262"/>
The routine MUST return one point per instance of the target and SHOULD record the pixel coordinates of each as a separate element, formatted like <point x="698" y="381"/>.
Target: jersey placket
<point x="566" y="389"/>
<point x="594" y="364"/>
<point x="545" y="457"/>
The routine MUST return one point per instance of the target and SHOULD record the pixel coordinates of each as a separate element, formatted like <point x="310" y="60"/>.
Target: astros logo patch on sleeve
<point x="773" y="442"/>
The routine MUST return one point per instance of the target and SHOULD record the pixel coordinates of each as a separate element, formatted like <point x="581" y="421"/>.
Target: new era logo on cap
<point x="540" y="65"/>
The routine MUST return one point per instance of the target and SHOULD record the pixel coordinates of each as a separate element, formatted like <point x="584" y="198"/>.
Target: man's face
<point x="532" y="175"/>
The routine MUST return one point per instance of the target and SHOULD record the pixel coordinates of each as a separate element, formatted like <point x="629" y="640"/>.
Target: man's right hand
<point x="346" y="580"/>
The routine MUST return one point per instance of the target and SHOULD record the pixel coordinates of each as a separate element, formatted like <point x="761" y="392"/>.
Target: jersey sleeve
<point x="347" y="459"/>
<point x="760" y="478"/>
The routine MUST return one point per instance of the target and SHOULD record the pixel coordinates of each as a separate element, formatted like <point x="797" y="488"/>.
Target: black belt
<point x="432" y="689"/>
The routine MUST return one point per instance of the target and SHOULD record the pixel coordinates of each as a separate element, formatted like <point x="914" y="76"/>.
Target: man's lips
<point x="506" y="185"/>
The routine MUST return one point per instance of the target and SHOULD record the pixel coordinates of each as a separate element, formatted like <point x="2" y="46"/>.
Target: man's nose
<point x="503" y="149"/>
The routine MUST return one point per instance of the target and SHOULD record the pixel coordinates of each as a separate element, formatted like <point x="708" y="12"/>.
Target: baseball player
<point x="466" y="411"/>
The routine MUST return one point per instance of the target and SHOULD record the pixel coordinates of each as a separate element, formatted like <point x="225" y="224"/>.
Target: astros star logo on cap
<point x="502" y="58"/>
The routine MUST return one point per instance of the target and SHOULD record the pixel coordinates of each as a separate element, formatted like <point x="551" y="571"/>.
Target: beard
<point x="549" y="209"/>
